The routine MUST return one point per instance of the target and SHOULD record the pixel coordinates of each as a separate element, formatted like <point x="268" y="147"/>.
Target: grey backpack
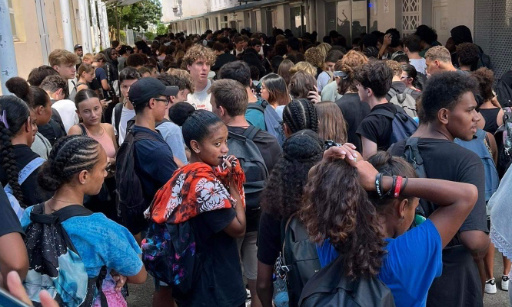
<point x="404" y="100"/>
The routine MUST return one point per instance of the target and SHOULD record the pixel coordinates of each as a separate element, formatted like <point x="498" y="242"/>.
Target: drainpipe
<point x="95" y="29"/>
<point x="66" y="25"/>
<point x="88" y="24"/>
<point x="8" y="68"/>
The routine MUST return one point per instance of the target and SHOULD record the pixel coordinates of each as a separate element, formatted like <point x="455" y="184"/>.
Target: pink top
<point x="106" y="142"/>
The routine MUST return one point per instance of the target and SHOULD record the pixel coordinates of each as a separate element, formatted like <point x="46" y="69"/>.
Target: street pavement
<point x="141" y="295"/>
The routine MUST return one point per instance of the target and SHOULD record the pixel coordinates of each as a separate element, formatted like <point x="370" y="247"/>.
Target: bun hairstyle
<point x="300" y="114"/>
<point x="282" y="195"/>
<point x="40" y="97"/>
<point x="69" y="156"/>
<point x="344" y="216"/>
<point x="180" y="111"/>
<point x="14" y="113"/>
<point x="19" y="87"/>
<point x="196" y="126"/>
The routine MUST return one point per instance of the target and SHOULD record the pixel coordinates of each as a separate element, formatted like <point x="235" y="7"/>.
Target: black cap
<point x="146" y="88"/>
<point x="78" y="46"/>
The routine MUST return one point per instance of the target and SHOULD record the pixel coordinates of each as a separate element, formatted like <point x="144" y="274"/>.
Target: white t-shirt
<point x="67" y="112"/>
<point x="201" y="100"/>
<point x="420" y="65"/>
<point x="126" y="115"/>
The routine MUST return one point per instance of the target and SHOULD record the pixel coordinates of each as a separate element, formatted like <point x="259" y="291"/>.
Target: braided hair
<point x="16" y="114"/>
<point x="69" y="156"/>
<point x="196" y="126"/>
<point x="300" y="114"/>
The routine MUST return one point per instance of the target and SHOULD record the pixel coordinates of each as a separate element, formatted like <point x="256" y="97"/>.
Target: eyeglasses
<point x="164" y="100"/>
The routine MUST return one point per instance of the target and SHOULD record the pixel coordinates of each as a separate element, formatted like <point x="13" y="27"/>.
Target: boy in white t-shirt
<point x="412" y="47"/>
<point x="124" y="111"/>
<point x="199" y="60"/>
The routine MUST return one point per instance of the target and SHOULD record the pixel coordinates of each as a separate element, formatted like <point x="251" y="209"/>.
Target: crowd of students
<point x="230" y="164"/>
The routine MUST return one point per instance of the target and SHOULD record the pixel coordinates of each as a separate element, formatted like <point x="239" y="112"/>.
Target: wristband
<point x="405" y="183"/>
<point x="397" y="186"/>
<point x="378" y="182"/>
<point x="390" y="191"/>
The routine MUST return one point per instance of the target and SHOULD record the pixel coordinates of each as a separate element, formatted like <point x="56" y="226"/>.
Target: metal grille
<point x="411" y="16"/>
<point x="493" y="22"/>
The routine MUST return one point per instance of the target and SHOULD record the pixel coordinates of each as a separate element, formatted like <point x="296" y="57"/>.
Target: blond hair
<point x="197" y="52"/>
<point x="315" y="57"/>
<point x="395" y="66"/>
<point x="88" y="56"/>
<point x="184" y="76"/>
<point x="60" y="56"/>
<point x="439" y="53"/>
<point x="305" y="67"/>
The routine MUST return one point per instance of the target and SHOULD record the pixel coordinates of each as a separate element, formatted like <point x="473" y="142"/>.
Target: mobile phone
<point x="7" y="300"/>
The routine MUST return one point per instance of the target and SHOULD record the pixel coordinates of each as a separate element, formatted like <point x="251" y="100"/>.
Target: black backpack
<point x="54" y="263"/>
<point x="403" y="126"/>
<point x="504" y="139"/>
<point x="54" y="129"/>
<point x="251" y="161"/>
<point x="331" y="288"/>
<point x="130" y="196"/>
<point x="299" y="258"/>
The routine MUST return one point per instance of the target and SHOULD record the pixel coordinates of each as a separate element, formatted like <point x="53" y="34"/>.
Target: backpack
<point x="406" y="101"/>
<point x="504" y="89"/>
<point x="299" y="257"/>
<point x="251" y="161"/>
<point x="170" y="254"/>
<point x="130" y="196"/>
<point x="504" y="133"/>
<point x="54" y="263"/>
<point x="118" y="110"/>
<point x="22" y="176"/>
<point x="331" y="288"/>
<point x="403" y="126"/>
<point x="273" y="122"/>
<point x="54" y="129"/>
<point x="478" y="146"/>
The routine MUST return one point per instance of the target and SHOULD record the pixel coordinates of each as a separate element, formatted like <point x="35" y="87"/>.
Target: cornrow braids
<point x="16" y="113"/>
<point x="70" y="155"/>
<point x="300" y="114"/>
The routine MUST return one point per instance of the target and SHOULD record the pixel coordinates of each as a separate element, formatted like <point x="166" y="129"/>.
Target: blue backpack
<point x="273" y="122"/>
<point x="478" y="146"/>
<point x="22" y="176"/>
<point x="403" y="126"/>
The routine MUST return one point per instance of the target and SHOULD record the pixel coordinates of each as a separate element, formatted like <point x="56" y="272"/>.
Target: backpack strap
<point x="118" y="110"/>
<point x="251" y="132"/>
<point x="84" y="131"/>
<point x="408" y="90"/>
<point x="413" y="156"/>
<point x="256" y="106"/>
<point x="26" y="172"/>
<point x="71" y="211"/>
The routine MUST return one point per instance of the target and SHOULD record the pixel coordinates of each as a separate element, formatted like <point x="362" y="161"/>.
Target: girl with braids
<point x="40" y="109"/>
<point x="369" y="229"/>
<point x="280" y="199"/>
<point x="77" y="167"/>
<point x="298" y="115"/>
<point x="90" y="112"/>
<point x="208" y="192"/>
<point x="17" y="131"/>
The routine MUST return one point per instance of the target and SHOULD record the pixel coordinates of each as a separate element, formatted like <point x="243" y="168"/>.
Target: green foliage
<point x="135" y="16"/>
<point x="161" y="29"/>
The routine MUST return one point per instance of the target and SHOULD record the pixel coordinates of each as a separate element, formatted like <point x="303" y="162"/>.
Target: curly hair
<point x="300" y="114"/>
<point x="349" y="64"/>
<point x="377" y="76"/>
<point x="331" y="124"/>
<point x="69" y="156"/>
<point x="16" y="113"/>
<point x="315" y="57"/>
<point x="485" y="78"/>
<point x="468" y="54"/>
<point x="395" y="67"/>
<point x="443" y="90"/>
<point x="197" y="52"/>
<point x="345" y="216"/>
<point x="282" y="195"/>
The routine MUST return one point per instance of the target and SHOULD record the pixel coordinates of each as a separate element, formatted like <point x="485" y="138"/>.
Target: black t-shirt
<point x="459" y="285"/>
<point x="491" y="119"/>
<point x="354" y="111"/>
<point x="271" y="152"/>
<point x="10" y="222"/>
<point x="32" y="192"/>
<point x="269" y="239"/>
<point x="220" y="283"/>
<point x="378" y="128"/>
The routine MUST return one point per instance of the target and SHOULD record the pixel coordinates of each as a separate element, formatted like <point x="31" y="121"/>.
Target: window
<point x="13" y="23"/>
